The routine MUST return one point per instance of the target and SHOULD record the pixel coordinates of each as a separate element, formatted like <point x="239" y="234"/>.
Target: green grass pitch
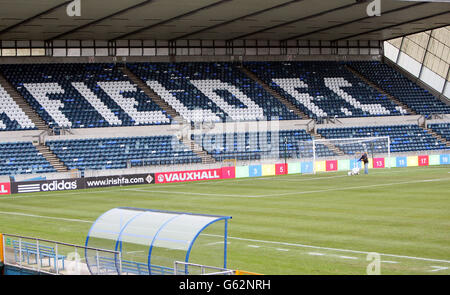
<point x="291" y="224"/>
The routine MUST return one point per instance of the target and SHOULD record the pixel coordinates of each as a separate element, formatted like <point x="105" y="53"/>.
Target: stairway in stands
<point x="198" y="150"/>
<point x="150" y="93"/>
<point x="272" y="92"/>
<point x="38" y="122"/>
<point x="23" y="104"/>
<point x="435" y="135"/>
<point x="377" y="88"/>
<point x="52" y="158"/>
<point x="328" y="144"/>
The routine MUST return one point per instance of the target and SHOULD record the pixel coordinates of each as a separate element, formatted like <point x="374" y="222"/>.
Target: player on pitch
<point x="364" y="158"/>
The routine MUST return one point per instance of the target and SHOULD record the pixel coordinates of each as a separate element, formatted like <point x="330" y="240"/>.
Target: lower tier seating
<point x="22" y="158"/>
<point x="403" y="138"/>
<point x="260" y="145"/>
<point x="118" y="153"/>
<point x="443" y="129"/>
<point x="405" y="90"/>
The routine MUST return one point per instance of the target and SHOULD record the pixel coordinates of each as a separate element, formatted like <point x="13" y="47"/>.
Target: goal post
<point x="351" y="149"/>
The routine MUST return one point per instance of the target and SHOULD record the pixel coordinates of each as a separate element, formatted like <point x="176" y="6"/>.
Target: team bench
<point x="30" y="251"/>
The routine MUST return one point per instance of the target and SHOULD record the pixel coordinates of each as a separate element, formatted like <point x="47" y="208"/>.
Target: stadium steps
<point x="435" y="135"/>
<point x="377" y="88"/>
<point x="329" y="145"/>
<point x="52" y="158"/>
<point x="23" y="104"/>
<point x="206" y="158"/>
<point x="272" y="92"/>
<point x="155" y="97"/>
<point x="198" y="150"/>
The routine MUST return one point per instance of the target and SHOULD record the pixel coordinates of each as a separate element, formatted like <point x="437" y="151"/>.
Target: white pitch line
<point x="190" y="193"/>
<point x="292" y="193"/>
<point x="352" y="187"/>
<point x="110" y="189"/>
<point x="45" y="217"/>
<point x="438" y="268"/>
<point x="251" y="240"/>
<point x="347" y="257"/>
<point x="337" y="249"/>
<point x="281" y="249"/>
<point x="316" y="254"/>
<point x="215" y="243"/>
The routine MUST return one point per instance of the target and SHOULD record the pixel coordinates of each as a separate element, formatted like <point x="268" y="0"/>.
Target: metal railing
<point x="52" y="257"/>
<point x="186" y="268"/>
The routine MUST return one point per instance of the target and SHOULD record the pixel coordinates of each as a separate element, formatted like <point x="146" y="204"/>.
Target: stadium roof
<point x="328" y="20"/>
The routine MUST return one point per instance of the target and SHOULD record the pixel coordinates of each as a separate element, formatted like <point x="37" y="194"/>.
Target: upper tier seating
<point x="22" y="158"/>
<point x="403" y="138"/>
<point x="12" y="116"/>
<point x="394" y="83"/>
<point x="83" y="95"/>
<point x="324" y="89"/>
<point x="258" y="145"/>
<point x="443" y="129"/>
<point x="117" y="153"/>
<point x="211" y="92"/>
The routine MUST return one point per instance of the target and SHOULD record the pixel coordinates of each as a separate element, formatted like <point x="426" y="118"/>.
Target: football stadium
<point x="224" y="137"/>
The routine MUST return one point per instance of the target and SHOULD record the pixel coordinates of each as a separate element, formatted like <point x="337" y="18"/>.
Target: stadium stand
<point x="217" y="92"/>
<point x="22" y="158"/>
<point x="324" y="89"/>
<point x="101" y="95"/>
<point x="404" y="138"/>
<point x="123" y="152"/>
<point x="443" y="129"/>
<point x="260" y="145"/>
<point x="12" y="116"/>
<point x="83" y="95"/>
<point x="396" y="84"/>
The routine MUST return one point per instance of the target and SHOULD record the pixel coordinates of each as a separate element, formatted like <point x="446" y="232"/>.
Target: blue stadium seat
<point x="119" y="153"/>
<point x="403" y="138"/>
<point x="443" y="129"/>
<point x="22" y="158"/>
<point x="260" y="145"/>
<point x="408" y="92"/>
<point x="211" y="92"/>
<point x="83" y="95"/>
<point x="324" y="89"/>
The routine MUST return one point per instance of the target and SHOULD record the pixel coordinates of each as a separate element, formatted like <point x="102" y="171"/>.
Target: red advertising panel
<point x="281" y="169"/>
<point x="183" y="176"/>
<point x="5" y="188"/>
<point x="228" y="172"/>
<point x="331" y="165"/>
<point x="378" y="162"/>
<point x="424" y="160"/>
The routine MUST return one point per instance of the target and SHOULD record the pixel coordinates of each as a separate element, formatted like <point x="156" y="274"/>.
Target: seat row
<point x="112" y="153"/>
<point x="22" y="158"/>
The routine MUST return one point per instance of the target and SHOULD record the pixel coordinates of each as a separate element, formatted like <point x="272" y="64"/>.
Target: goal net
<point x="347" y="149"/>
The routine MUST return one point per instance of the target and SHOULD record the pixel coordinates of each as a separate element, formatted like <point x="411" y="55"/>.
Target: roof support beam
<point x="100" y="20"/>
<point x="236" y="19"/>
<point x="351" y="22"/>
<point x="296" y="20"/>
<point x="393" y="26"/>
<point x="416" y="32"/>
<point x="169" y="20"/>
<point x="34" y="17"/>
